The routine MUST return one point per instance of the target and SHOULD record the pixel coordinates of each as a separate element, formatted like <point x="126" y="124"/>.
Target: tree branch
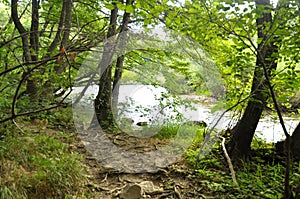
<point x="21" y="29"/>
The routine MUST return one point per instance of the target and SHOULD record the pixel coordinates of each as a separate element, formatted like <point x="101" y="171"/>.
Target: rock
<point x="149" y="188"/>
<point x="196" y="123"/>
<point x="142" y="123"/>
<point x="131" y="191"/>
<point x="200" y="123"/>
<point x="138" y="190"/>
<point x="128" y="120"/>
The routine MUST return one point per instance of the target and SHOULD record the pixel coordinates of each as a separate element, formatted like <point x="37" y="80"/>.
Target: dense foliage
<point x="44" y="44"/>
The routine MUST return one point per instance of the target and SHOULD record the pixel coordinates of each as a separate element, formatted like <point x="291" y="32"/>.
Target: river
<point x="145" y="104"/>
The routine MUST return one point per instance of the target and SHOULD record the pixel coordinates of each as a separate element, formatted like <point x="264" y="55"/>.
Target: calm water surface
<point x="146" y="103"/>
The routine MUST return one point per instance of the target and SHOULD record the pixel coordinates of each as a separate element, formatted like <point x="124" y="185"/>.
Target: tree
<point x="266" y="54"/>
<point x="30" y="44"/>
<point x="41" y="56"/>
<point x="246" y="37"/>
<point x="295" y="145"/>
<point x="103" y="101"/>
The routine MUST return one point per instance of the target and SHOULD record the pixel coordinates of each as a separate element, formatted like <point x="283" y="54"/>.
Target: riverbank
<point x="134" y="99"/>
<point x="32" y="161"/>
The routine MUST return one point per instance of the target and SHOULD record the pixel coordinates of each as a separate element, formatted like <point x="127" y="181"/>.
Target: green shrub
<point x="37" y="166"/>
<point x="168" y="131"/>
<point x="257" y="179"/>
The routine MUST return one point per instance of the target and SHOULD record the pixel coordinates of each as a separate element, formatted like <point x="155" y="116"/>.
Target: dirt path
<point x="172" y="182"/>
<point x="176" y="181"/>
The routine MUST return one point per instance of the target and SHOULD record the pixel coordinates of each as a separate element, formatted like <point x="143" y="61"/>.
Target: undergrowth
<point x="38" y="166"/>
<point x="258" y="178"/>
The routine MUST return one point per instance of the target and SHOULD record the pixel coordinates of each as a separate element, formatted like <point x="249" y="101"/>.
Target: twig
<point x="18" y="126"/>
<point x="229" y="162"/>
<point x="117" y="189"/>
<point x="177" y="193"/>
<point x="105" y="178"/>
<point x="219" y="119"/>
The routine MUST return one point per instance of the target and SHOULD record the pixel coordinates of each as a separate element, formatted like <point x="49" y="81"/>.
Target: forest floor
<point x="46" y="161"/>
<point x="175" y="181"/>
<point x="186" y="178"/>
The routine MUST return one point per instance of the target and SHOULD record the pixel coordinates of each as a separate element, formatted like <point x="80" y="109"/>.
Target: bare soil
<point x="175" y="181"/>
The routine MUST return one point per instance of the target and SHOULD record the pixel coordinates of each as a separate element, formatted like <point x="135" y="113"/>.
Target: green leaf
<point x="121" y="6"/>
<point x="129" y="9"/>
<point x="109" y="6"/>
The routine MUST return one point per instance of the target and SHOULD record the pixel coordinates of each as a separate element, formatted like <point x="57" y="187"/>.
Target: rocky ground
<point x="175" y="181"/>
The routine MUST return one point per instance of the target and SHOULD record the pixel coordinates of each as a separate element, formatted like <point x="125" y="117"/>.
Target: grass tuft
<point x="38" y="166"/>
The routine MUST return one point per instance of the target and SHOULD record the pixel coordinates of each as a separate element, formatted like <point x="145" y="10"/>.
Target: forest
<point x="138" y="99"/>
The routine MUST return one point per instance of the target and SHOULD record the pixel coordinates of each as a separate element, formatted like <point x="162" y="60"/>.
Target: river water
<point x="146" y="104"/>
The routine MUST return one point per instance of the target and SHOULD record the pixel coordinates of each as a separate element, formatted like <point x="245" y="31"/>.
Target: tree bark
<point x="64" y="43"/>
<point x="24" y="34"/>
<point x="31" y="86"/>
<point x="34" y="30"/>
<point x="103" y="99"/>
<point x="103" y="102"/>
<point x="61" y="40"/>
<point x="117" y="78"/>
<point x="120" y="60"/>
<point x="57" y="37"/>
<point x="243" y="132"/>
<point x="295" y="146"/>
<point x="67" y="24"/>
<point x="30" y="52"/>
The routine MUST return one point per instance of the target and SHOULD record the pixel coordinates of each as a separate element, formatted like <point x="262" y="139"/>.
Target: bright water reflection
<point x="146" y="104"/>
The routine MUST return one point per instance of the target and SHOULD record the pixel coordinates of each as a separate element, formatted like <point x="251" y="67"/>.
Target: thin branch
<point x="59" y="104"/>
<point x="24" y="77"/>
<point x="219" y="119"/>
<point x="18" y="126"/>
<point x="287" y="191"/>
<point x="28" y="63"/>
<point x="91" y="6"/>
<point x="233" y="175"/>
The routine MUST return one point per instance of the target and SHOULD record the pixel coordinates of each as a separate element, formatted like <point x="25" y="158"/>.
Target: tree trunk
<point x="116" y="85"/>
<point x="34" y="30"/>
<point x="57" y="37"/>
<point x="64" y="43"/>
<point x="102" y="102"/>
<point x="243" y="132"/>
<point x="295" y="147"/>
<point x="295" y="144"/>
<point x="31" y="88"/>
<point x="60" y="40"/>
<point x="120" y="60"/>
<point x="21" y="30"/>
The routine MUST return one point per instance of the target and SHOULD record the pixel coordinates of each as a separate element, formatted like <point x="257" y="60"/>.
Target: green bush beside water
<point x="260" y="178"/>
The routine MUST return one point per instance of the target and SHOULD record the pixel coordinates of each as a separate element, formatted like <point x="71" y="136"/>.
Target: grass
<point x="259" y="178"/>
<point x="41" y="165"/>
<point x="169" y="131"/>
<point x="38" y="166"/>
